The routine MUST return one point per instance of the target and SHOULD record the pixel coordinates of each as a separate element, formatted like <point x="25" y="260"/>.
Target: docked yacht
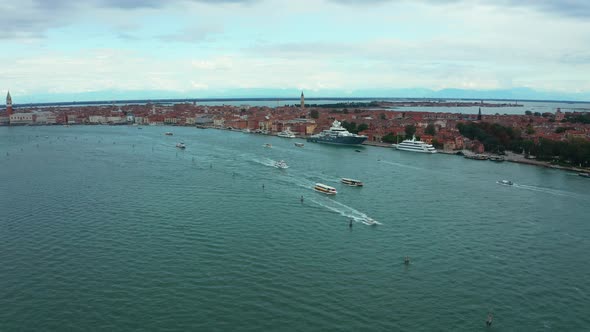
<point x="281" y="164"/>
<point x="351" y="182"/>
<point x="320" y="187"/>
<point x="337" y="135"/>
<point x="584" y="175"/>
<point x="414" y="146"/>
<point x="180" y="145"/>
<point x="287" y="133"/>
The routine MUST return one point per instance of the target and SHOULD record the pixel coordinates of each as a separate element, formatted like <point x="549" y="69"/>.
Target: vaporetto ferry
<point x="320" y="187"/>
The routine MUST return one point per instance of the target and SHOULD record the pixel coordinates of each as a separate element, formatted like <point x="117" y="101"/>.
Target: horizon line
<point x="221" y="99"/>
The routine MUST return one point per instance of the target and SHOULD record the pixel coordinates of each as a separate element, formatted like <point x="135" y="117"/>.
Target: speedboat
<point x="506" y="182"/>
<point x="322" y="188"/>
<point x="168" y="133"/>
<point x="281" y="164"/>
<point x="267" y="145"/>
<point x="299" y="145"/>
<point x="180" y="145"/>
<point x="351" y="182"/>
<point x="369" y="221"/>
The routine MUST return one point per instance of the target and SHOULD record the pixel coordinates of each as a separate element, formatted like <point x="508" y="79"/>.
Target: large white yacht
<point x="414" y="146"/>
<point x="337" y="135"/>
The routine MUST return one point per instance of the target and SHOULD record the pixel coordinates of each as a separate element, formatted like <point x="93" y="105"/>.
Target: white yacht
<point x="414" y="146"/>
<point x="287" y="133"/>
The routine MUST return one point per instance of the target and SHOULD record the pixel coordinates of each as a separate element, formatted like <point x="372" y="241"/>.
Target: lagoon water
<point x="113" y="228"/>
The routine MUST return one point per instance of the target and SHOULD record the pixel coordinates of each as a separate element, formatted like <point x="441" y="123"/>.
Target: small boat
<point x="168" y="133"/>
<point x="351" y="182"/>
<point x="506" y="182"/>
<point x="180" y="145"/>
<point x="358" y="150"/>
<point x="320" y="187"/>
<point x="369" y="221"/>
<point x="497" y="159"/>
<point x="477" y="157"/>
<point x="299" y="145"/>
<point x="584" y="175"/>
<point x="281" y="164"/>
<point x="267" y="145"/>
<point x="287" y="133"/>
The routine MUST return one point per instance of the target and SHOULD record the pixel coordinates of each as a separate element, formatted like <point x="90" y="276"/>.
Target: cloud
<point x="572" y="8"/>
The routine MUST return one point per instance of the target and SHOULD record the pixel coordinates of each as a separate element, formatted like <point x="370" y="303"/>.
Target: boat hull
<point x="414" y="150"/>
<point x="338" y="140"/>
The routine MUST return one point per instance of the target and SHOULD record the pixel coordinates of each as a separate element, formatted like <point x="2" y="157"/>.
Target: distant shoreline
<point x="510" y="157"/>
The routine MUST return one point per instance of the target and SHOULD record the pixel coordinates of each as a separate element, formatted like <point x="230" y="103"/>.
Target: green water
<point x="113" y="228"/>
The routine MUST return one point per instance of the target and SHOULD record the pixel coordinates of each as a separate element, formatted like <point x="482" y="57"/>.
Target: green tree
<point x="437" y="144"/>
<point x="430" y="130"/>
<point x="362" y="127"/>
<point x="410" y="131"/>
<point x="382" y="116"/>
<point x="314" y="114"/>
<point x="528" y="113"/>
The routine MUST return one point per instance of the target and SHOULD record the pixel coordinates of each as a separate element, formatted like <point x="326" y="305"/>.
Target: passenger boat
<point x="168" y="133"/>
<point x="320" y="187"/>
<point x="281" y="164"/>
<point x="180" y="145"/>
<point x="267" y="145"/>
<point x="299" y="145"/>
<point x="351" y="182"/>
<point x="415" y="146"/>
<point x="505" y="182"/>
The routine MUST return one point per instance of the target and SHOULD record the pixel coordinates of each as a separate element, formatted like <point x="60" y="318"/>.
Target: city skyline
<point x="57" y="51"/>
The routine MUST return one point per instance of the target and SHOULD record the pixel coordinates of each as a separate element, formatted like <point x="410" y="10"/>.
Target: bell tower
<point x="302" y="100"/>
<point x="8" y="104"/>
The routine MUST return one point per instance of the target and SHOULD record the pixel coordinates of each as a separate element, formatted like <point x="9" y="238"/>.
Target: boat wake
<point x="550" y="191"/>
<point x="402" y="165"/>
<point x="344" y="210"/>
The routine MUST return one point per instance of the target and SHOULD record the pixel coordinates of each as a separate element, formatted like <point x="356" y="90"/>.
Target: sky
<point x="61" y="50"/>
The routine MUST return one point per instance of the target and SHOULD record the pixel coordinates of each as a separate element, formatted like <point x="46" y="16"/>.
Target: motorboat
<point x="369" y="221"/>
<point x="281" y="164"/>
<point x="267" y="145"/>
<point x="351" y="182"/>
<point x="168" y="133"/>
<point x="287" y="133"/>
<point x="584" y="175"/>
<point x="322" y="188"/>
<point x="505" y="182"/>
<point x="497" y="158"/>
<point x="415" y="146"/>
<point x="180" y="145"/>
<point x="299" y="145"/>
<point x="477" y="157"/>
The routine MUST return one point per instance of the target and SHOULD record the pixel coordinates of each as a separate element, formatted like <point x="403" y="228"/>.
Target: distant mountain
<point x="106" y="95"/>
